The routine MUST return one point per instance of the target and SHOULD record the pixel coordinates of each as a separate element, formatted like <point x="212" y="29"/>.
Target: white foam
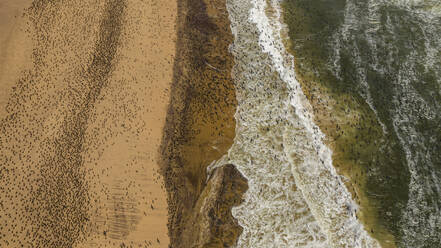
<point x="421" y="186"/>
<point x="295" y="196"/>
<point x="421" y="217"/>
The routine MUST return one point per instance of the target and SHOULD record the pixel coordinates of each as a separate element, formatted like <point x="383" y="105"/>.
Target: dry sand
<point x="84" y="89"/>
<point x="15" y="48"/>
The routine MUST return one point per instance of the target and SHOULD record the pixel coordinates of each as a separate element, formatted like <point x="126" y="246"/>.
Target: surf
<point x="295" y="197"/>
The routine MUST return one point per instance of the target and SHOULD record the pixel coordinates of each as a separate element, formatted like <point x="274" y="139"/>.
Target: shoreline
<point x="277" y="142"/>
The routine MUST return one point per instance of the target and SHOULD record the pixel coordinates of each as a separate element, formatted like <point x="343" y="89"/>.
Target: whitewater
<point x="295" y="197"/>
<point x="412" y="69"/>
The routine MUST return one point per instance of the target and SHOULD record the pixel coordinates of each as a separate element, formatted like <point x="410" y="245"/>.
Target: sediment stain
<point x="200" y="124"/>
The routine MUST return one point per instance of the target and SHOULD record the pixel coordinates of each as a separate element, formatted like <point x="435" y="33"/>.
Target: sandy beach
<point x="84" y="90"/>
<point x="219" y="123"/>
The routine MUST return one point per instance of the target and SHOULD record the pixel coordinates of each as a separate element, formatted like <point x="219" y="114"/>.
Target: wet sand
<point x="84" y="89"/>
<point x="200" y="129"/>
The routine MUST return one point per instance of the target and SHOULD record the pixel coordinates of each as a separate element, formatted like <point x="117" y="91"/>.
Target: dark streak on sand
<point x="57" y="204"/>
<point x="199" y="129"/>
<point x="63" y="190"/>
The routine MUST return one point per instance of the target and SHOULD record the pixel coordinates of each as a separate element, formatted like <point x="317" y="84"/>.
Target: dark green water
<point x="387" y="56"/>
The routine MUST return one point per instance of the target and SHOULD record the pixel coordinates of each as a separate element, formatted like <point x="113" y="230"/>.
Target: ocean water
<point x="383" y="53"/>
<point x="396" y="59"/>
<point x="295" y="196"/>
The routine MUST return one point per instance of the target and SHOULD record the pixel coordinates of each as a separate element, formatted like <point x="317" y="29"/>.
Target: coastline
<point x="121" y="125"/>
<point x="84" y="109"/>
<point x="279" y="149"/>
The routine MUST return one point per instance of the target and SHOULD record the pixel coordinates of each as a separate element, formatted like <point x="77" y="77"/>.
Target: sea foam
<point x="410" y="59"/>
<point x="295" y="196"/>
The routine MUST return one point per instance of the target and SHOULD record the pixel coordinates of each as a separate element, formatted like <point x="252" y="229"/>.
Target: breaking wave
<point x="404" y="45"/>
<point x="295" y="196"/>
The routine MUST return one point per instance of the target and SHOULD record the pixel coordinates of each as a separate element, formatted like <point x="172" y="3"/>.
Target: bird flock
<point x="79" y="141"/>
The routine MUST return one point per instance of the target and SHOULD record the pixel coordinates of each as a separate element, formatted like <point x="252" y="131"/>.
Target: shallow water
<point x="295" y="196"/>
<point x="382" y="54"/>
<point x="397" y="50"/>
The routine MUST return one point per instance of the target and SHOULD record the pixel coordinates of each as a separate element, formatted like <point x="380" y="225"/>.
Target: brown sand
<point x="84" y="88"/>
<point x="15" y="48"/>
<point x="200" y="129"/>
